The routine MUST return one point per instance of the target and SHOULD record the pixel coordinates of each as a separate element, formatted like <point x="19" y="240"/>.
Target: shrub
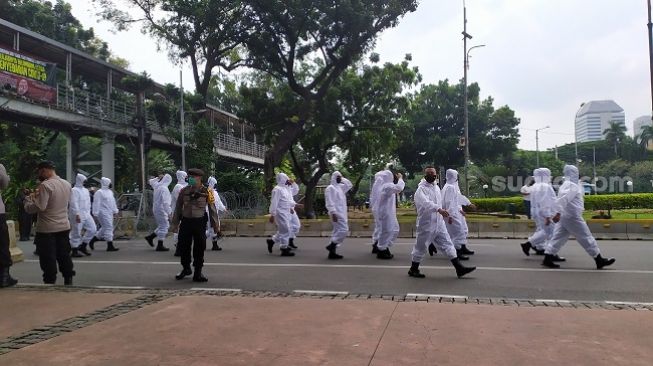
<point x="593" y="202"/>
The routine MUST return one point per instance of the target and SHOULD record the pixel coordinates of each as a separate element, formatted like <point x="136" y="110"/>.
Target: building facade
<point x="594" y="117"/>
<point x="640" y="122"/>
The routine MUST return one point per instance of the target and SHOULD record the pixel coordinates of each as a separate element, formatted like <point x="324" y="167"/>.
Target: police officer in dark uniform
<point x="190" y="210"/>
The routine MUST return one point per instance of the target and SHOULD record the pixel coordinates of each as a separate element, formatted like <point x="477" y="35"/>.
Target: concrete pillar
<point x="108" y="156"/>
<point x="72" y="154"/>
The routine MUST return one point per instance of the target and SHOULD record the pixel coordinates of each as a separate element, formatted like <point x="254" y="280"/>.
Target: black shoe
<point x="198" y="277"/>
<point x="68" y="281"/>
<point x="285" y="252"/>
<point x="538" y="251"/>
<point x="177" y="252"/>
<point x="82" y="249"/>
<point x="111" y="248"/>
<point x="460" y="269"/>
<point x="216" y="247"/>
<point x="384" y="254"/>
<point x="466" y="250"/>
<point x="160" y="247"/>
<point x="526" y="248"/>
<point x="414" y="271"/>
<point x="332" y="251"/>
<point x="603" y="262"/>
<point x="291" y="243"/>
<point x="6" y="280"/>
<point x="76" y="253"/>
<point x="375" y="248"/>
<point x="270" y="245"/>
<point x="432" y="249"/>
<point x="459" y="253"/>
<point x="150" y="239"/>
<point x="91" y="244"/>
<point x="184" y="272"/>
<point x="557" y="258"/>
<point x="548" y="261"/>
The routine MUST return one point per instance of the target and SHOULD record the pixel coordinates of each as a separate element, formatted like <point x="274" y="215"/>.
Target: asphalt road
<point x="503" y="271"/>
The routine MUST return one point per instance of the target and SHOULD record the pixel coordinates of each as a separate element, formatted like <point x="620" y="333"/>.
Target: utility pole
<point x="466" y="116"/>
<point x="650" y="51"/>
<point x="183" y="127"/>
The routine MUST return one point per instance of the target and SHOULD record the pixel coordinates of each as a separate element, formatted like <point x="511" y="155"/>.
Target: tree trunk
<point x="309" y="201"/>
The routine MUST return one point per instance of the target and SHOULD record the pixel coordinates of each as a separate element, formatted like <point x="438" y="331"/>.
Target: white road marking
<point x="120" y="287"/>
<point x="461" y="297"/>
<point x="320" y="292"/>
<point x="216" y="289"/>
<point x="629" y="303"/>
<point x="550" y="300"/>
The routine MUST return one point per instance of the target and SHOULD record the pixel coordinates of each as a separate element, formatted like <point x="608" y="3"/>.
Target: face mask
<point x="191" y="181"/>
<point x="429" y="178"/>
<point x="338" y="179"/>
<point x="110" y="185"/>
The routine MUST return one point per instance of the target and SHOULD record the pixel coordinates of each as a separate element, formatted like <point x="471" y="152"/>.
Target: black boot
<point x="291" y="243"/>
<point x="548" y="261"/>
<point x="332" y="251"/>
<point x="414" y="270"/>
<point x="160" y="247"/>
<point x="91" y="244"/>
<point x="198" y="277"/>
<point x="68" y="281"/>
<point x="76" y="253"/>
<point x="539" y="251"/>
<point x="466" y="250"/>
<point x="375" y="247"/>
<point x="286" y="252"/>
<point x="602" y="262"/>
<point x="5" y="278"/>
<point x="150" y="239"/>
<point x="459" y="253"/>
<point x="384" y="254"/>
<point x="270" y="245"/>
<point x="460" y="269"/>
<point x="216" y="246"/>
<point x="432" y="249"/>
<point x="557" y="258"/>
<point x="186" y="271"/>
<point x="177" y="252"/>
<point x="526" y="248"/>
<point x="111" y="248"/>
<point x="82" y="248"/>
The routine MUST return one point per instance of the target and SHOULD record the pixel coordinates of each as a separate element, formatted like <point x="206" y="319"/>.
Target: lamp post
<point x="630" y="186"/>
<point x="537" y="144"/>
<point x="650" y="49"/>
<point x="485" y="187"/>
<point x="183" y="127"/>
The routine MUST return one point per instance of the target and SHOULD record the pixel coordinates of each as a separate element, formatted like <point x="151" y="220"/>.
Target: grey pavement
<point x="503" y="271"/>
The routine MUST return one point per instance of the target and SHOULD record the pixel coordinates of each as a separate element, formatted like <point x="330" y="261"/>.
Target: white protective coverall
<point x="452" y="201"/>
<point x="295" y="224"/>
<point x="543" y="199"/>
<point x="336" y="203"/>
<point x="374" y="197"/>
<point x="570" y="205"/>
<point x="220" y="206"/>
<point x="181" y="184"/>
<point x="430" y="224"/>
<point x="161" y="205"/>
<point x="282" y="207"/>
<point x="80" y="207"/>
<point x="104" y="207"/>
<point x="386" y="209"/>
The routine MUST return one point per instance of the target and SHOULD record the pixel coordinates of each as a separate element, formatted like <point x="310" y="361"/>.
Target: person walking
<point x="374" y="198"/>
<point x="5" y="256"/>
<point x="220" y="207"/>
<point x="182" y="177"/>
<point x="105" y="210"/>
<point x="282" y="207"/>
<point x="392" y="184"/>
<point x="50" y="200"/>
<point x="526" y="192"/>
<point x="295" y="224"/>
<point x="190" y="217"/>
<point x="79" y="210"/>
<point x="452" y="201"/>
<point x="161" y="209"/>
<point x="336" y="203"/>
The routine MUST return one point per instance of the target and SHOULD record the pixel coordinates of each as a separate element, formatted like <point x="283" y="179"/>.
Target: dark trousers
<point x="54" y="248"/>
<point x="24" y="224"/>
<point x="527" y="207"/>
<point x="5" y="256"/>
<point x="192" y="234"/>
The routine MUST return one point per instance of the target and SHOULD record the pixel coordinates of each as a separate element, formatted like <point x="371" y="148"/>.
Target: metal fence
<point x="238" y="145"/>
<point x="244" y="205"/>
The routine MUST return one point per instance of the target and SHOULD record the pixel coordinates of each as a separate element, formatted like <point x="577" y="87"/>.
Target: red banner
<point x="27" y="77"/>
<point x="28" y="88"/>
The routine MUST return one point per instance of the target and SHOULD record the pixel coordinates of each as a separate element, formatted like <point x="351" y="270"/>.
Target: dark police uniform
<point x="191" y="211"/>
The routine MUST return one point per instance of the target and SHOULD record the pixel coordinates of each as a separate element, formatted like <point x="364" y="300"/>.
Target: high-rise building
<point x="595" y="116"/>
<point x="640" y="122"/>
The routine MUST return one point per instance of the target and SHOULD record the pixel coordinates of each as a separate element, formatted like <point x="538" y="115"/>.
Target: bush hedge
<point x="593" y="202"/>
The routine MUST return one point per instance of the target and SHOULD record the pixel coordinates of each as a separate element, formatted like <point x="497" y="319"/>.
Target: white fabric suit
<point x="336" y="203"/>
<point x="220" y="206"/>
<point x="282" y="207"/>
<point x="430" y="224"/>
<point x="80" y="207"/>
<point x="452" y="201"/>
<point x="161" y="205"/>
<point x="570" y="205"/>
<point x="104" y="207"/>
<point x="181" y="184"/>
<point x="386" y="209"/>
<point x="374" y="197"/>
<point x="543" y="200"/>
<point x="295" y="224"/>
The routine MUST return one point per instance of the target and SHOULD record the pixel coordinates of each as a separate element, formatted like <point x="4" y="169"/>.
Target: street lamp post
<point x="650" y="50"/>
<point x="183" y="127"/>
<point x="485" y="187"/>
<point x="537" y="144"/>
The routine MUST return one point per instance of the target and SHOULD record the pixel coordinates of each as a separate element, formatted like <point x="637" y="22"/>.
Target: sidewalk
<point x="94" y="327"/>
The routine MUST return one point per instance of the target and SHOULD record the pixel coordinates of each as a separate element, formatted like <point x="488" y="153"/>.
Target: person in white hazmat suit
<point x="386" y="208"/>
<point x="162" y="210"/>
<point x="220" y="207"/>
<point x="104" y="210"/>
<point x="182" y="177"/>
<point x="374" y="197"/>
<point x="336" y="203"/>
<point x="430" y="226"/>
<point x="452" y="201"/>
<point x="542" y="198"/>
<point x="79" y="209"/>
<point x="295" y="224"/>
<point x="569" y="219"/>
<point x="282" y="207"/>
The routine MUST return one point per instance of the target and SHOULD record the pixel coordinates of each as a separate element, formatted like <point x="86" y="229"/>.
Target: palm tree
<point x="645" y="136"/>
<point x="615" y="133"/>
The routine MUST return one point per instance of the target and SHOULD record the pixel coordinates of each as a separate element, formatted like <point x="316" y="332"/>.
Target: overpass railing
<point x="238" y="145"/>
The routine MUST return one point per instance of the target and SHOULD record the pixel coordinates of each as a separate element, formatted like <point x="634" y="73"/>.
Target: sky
<point x="542" y="58"/>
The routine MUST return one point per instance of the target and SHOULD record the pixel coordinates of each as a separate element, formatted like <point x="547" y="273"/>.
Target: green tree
<point x="615" y="133"/>
<point x="645" y="136"/>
